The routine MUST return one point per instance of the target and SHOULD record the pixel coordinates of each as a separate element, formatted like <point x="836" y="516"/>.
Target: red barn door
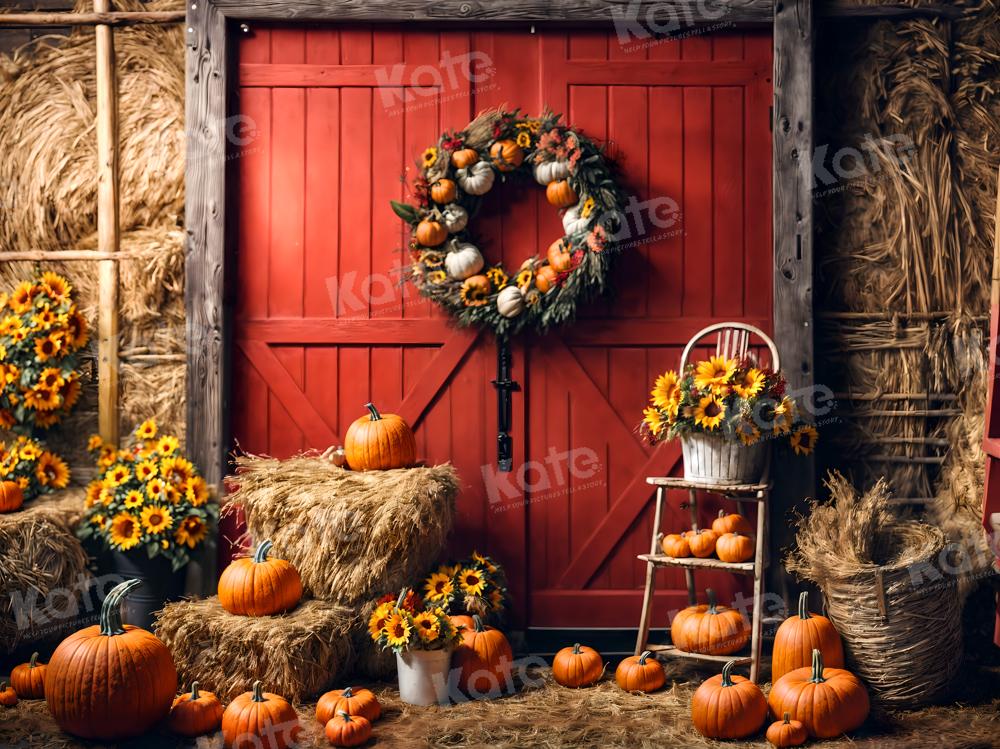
<point x="335" y="116"/>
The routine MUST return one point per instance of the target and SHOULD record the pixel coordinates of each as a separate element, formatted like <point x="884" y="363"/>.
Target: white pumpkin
<point x="510" y="301"/>
<point x="573" y="222"/>
<point x="551" y="171"/>
<point x="476" y="179"/>
<point x="454" y="217"/>
<point x="464" y="261"/>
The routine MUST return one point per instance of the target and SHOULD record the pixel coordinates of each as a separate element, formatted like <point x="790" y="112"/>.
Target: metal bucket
<point x="159" y="584"/>
<point x="711" y="459"/>
<point x="423" y="676"/>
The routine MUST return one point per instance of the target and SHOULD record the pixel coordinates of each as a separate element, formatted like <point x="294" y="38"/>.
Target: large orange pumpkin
<point x="732" y="523"/>
<point x="734" y="547"/>
<point x="798" y="636"/>
<point x="728" y="706"/>
<point x="348" y="730"/>
<point x="258" y="586"/>
<point x="11" y="496"/>
<point x="484" y="658"/>
<point x="195" y="713"/>
<point x="8" y="697"/>
<point x="507" y="155"/>
<point x="640" y="673"/>
<point x="578" y="666"/>
<point x="28" y="679"/>
<point x="110" y="681"/>
<point x="827" y="701"/>
<point x="352" y="700"/>
<point x="260" y="720"/>
<point x="710" y="629"/>
<point x="378" y="442"/>
<point x="560" y="194"/>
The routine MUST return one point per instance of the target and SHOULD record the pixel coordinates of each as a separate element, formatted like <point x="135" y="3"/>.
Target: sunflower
<point x="146" y="430"/>
<point x="747" y="432"/>
<point x="125" y="531"/>
<point x="196" y="491"/>
<point x="156" y="488"/>
<point x="429" y="157"/>
<point x="56" y="286"/>
<point x="709" y="412"/>
<point x="167" y="444"/>
<point x="439" y="586"/>
<point x="71" y="393"/>
<point x="524" y="139"/>
<point x="106" y="497"/>
<point x="98" y="519"/>
<point x="449" y="569"/>
<point x="749" y="383"/>
<point x="30" y="451"/>
<point x="432" y="258"/>
<point x="397" y="630"/>
<point x="804" y="440"/>
<point x="176" y="470"/>
<point x="483" y="561"/>
<point x="473" y="294"/>
<point x="94" y="442"/>
<point x="713" y="373"/>
<point x="41" y="398"/>
<point x="93" y="495"/>
<point x="497" y="277"/>
<point x="653" y="418"/>
<point x="784" y="415"/>
<point x="9" y="324"/>
<point x="472" y="581"/>
<point x="666" y="390"/>
<point x="496" y="599"/>
<point x="437" y="277"/>
<point x="78" y="332"/>
<point x="107" y="456"/>
<point x="134" y="499"/>
<point x="157" y="519"/>
<point x="378" y="620"/>
<point x="525" y="278"/>
<point x="427" y="625"/>
<point x="587" y="209"/>
<point x="145" y="470"/>
<point x="191" y="531"/>
<point x="23" y="296"/>
<point x="52" y="470"/>
<point x="44" y="318"/>
<point x="117" y="476"/>
<point x="48" y="347"/>
<point x="6" y="419"/>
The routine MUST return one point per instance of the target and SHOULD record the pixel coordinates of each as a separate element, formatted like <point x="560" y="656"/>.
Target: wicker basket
<point x="714" y="460"/>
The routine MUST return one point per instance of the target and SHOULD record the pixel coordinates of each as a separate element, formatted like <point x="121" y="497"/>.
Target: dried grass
<point x="352" y="535"/>
<point x="298" y="654"/>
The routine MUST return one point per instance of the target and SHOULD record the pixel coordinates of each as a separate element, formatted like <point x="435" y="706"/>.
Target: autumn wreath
<point x="455" y="176"/>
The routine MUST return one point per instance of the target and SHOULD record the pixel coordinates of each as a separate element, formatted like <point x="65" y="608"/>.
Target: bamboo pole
<point x="92" y="19"/>
<point x="66" y="255"/>
<point x="107" y="228"/>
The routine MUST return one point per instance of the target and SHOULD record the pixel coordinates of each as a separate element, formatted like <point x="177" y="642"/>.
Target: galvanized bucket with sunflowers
<point x="725" y="412"/>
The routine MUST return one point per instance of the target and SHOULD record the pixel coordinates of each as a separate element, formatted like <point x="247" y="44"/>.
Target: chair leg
<point x="758" y="592"/>
<point x="647" y="600"/>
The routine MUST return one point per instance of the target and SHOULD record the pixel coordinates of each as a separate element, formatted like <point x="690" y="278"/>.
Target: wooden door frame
<point x="210" y="227"/>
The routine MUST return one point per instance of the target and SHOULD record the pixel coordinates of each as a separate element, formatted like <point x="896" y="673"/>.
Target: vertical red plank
<point x="727" y="178"/>
<point x="322" y="295"/>
<point x="757" y="179"/>
<point x="697" y="206"/>
<point x="665" y="282"/>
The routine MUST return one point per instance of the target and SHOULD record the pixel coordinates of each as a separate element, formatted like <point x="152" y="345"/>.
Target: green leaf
<point x="405" y="211"/>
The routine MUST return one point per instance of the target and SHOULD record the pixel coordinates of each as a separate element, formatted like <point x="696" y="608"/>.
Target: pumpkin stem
<point x="375" y="415"/>
<point x="194" y="690"/>
<point x="804" y="605"/>
<point x="347" y="692"/>
<point x="576" y="648"/>
<point x="788" y="717"/>
<point x="263" y="549"/>
<point x="111" y="611"/>
<point x="345" y="715"/>
<point x="712" y="602"/>
<point x="722" y="513"/>
<point x="817" y="667"/>
<point x="3" y="686"/>
<point x="258" y="692"/>
<point x="478" y="622"/>
<point x="642" y="658"/>
<point x="34" y="659"/>
<point x="727" y="674"/>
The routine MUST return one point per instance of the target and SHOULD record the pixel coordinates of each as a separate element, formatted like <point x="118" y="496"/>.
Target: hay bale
<point x="370" y="660"/>
<point x="352" y="535"/>
<point x="40" y="555"/>
<point x="297" y="655"/>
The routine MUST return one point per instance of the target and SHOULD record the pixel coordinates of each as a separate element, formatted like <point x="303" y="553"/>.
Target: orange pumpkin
<point x="710" y="629"/>
<point x="443" y="191"/>
<point x="28" y="679"/>
<point x="352" y="700"/>
<point x="675" y="545"/>
<point x="827" y="701"/>
<point x="260" y="720"/>
<point x="702" y="542"/>
<point x="8" y="697"/>
<point x="545" y="278"/>
<point x="734" y="547"/>
<point x="379" y="442"/>
<point x="559" y="256"/>
<point x="464" y="157"/>
<point x="798" y="636"/>
<point x="91" y="695"/>
<point x="344" y="729"/>
<point x="578" y="666"/>
<point x="484" y="658"/>
<point x="462" y="620"/>
<point x="787" y="732"/>
<point x="732" y="523"/>
<point x="728" y="706"/>
<point x="195" y="713"/>
<point x="507" y="155"/>
<point x="560" y="194"/>
<point x="431" y="233"/>
<point x="11" y="496"/>
<point x="258" y="586"/>
<point x="640" y="673"/>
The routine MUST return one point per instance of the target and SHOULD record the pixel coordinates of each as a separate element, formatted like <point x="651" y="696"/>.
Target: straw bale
<point x="352" y="535"/>
<point x="39" y="554"/>
<point x="297" y="655"/>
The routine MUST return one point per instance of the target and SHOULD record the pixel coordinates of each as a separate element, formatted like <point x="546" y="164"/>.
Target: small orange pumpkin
<point x="728" y="706"/>
<point x="260" y="720"/>
<point x="559" y="256"/>
<point x="379" y="442"/>
<point x="462" y="620"/>
<point x="464" y="157"/>
<point x="734" y="547"/>
<point x="640" y="673"/>
<point x="348" y="730"/>
<point x="702" y="542"/>
<point x="675" y="545"/>
<point x="798" y="636"/>
<point x="258" y="586"/>
<point x="8" y="697"/>
<point x="578" y="666"/>
<point x="545" y="278"/>
<point x="732" y="523"/>
<point x="560" y="194"/>
<point x="507" y="155"/>
<point x="11" y="496"/>
<point x="484" y="658"/>
<point x="710" y="629"/>
<point x="352" y="700"/>
<point x="787" y="732"/>
<point x="443" y="191"/>
<point x="431" y="233"/>
<point x="195" y="714"/>
<point x="28" y="679"/>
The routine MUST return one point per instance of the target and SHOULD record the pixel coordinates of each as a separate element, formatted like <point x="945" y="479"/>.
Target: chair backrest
<point x="732" y="341"/>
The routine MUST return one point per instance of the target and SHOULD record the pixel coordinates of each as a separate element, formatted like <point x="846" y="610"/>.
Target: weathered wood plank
<point x="115" y="18"/>
<point x="890" y="11"/>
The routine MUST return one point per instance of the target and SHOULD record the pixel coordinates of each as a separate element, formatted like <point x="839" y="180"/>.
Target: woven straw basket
<point x="714" y="460"/>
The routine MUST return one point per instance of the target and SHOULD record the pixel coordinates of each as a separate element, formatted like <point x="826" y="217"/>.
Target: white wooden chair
<point x="732" y="341"/>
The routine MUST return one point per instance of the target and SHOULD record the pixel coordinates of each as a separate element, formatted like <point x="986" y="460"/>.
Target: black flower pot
<point x="160" y="583"/>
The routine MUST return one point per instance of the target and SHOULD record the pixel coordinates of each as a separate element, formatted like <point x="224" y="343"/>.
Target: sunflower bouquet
<point x="735" y="399"/>
<point x="41" y="332"/>
<point x="406" y="623"/>
<point x="147" y="496"/>
<point x="475" y="585"/>
<point x="35" y="469"/>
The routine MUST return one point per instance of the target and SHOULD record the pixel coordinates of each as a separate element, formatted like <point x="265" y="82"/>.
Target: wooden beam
<point x="107" y="229"/>
<point x="103" y="18"/>
<point x="793" y="251"/>
<point x="850" y="9"/>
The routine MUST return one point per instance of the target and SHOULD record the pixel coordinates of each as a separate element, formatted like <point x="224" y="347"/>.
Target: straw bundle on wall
<point x="297" y="655"/>
<point x="352" y="535"/>
<point x="39" y="554"/>
<point x="886" y="593"/>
